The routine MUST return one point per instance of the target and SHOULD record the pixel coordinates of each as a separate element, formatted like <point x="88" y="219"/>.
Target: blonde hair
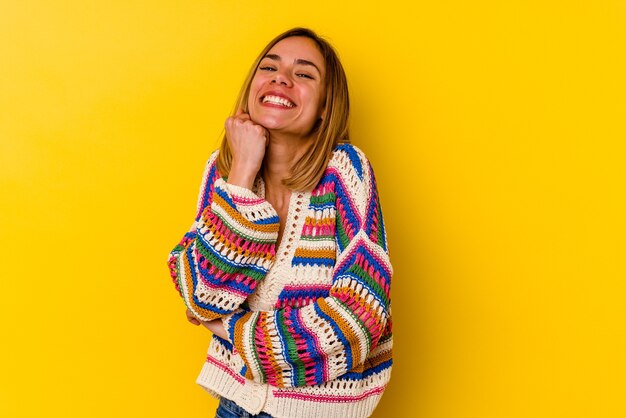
<point x="333" y="128"/>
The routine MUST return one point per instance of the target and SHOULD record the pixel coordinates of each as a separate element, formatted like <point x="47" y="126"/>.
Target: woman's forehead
<point x="297" y="47"/>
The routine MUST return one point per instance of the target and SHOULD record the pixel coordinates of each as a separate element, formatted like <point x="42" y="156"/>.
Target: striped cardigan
<point x="309" y="321"/>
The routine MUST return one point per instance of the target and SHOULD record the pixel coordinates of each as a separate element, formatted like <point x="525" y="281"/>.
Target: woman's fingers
<point x="239" y="122"/>
<point x="247" y="142"/>
<point x="192" y="318"/>
<point x="245" y="137"/>
<point x="242" y="115"/>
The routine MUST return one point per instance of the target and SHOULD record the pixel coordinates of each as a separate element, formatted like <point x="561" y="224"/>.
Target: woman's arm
<point x="204" y="199"/>
<point x="215" y="326"/>
<point x="325" y="339"/>
<point x="220" y="261"/>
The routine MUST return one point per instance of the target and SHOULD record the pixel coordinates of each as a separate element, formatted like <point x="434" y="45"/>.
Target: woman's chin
<point x="269" y="123"/>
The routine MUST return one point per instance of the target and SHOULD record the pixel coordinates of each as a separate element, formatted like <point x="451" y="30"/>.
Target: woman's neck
<point x="280" y="156"/>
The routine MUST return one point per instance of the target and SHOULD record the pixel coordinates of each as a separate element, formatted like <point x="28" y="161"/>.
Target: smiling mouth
<point x="275" y="100"/>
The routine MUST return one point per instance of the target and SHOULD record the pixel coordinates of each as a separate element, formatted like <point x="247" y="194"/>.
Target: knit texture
<point x="309" y="323"/>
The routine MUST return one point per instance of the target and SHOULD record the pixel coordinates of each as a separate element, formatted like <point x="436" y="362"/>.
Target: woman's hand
<point x="247" y="142"/>
<point x="192" y="318"/>
<point x="215" y="326"/>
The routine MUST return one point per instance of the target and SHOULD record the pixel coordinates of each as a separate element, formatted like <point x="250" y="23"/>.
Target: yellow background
<point x="497" y="132"/>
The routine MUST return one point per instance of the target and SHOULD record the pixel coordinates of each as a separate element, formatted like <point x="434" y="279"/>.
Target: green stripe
<point x="325" y="198"/>
<point x="381" y="228"/>
<point x="318" y="238"/>
<point x="227" y="268"/>
<point x="343" y="237"/>
<point x="292" y="351"/>
<point x="253" y="348"/>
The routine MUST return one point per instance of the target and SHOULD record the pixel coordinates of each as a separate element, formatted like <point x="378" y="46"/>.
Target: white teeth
<point x="278" y="100"/>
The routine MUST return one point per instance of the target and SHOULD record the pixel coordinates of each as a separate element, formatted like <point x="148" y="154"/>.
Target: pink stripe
<point x="307" y="287"/>
<point x="226" y="369"/>
<point x="245" y="201"/>
<point x="328" y="398"/>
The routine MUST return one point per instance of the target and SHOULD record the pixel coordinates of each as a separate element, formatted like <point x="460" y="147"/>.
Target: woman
<point x="287" y="262"/>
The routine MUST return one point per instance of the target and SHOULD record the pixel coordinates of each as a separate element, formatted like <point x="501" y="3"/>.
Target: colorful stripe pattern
<point x="228" y="251"/>
<point x="328" y="338"/>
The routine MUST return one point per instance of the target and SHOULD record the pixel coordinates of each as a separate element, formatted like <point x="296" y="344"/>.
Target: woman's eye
<point x="267" y="69"/>
<point x="304" y="76"/>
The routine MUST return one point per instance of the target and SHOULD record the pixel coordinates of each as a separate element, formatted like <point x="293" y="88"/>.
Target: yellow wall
<point x="496" y="129"/>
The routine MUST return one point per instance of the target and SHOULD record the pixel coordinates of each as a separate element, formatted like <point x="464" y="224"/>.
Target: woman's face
<point x="287" y="91"/>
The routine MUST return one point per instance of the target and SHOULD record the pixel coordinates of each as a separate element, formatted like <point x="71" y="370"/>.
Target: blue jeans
<point x="229" y="409"/>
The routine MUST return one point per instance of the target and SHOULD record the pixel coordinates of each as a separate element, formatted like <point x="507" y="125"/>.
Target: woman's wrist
<point x="242" y="176"/>
<point x="216" y="327"/>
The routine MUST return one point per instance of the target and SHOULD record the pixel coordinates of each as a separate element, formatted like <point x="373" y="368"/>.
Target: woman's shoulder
<point x="348" y="157"/>
<point x="348" y="172"/>
<point x="210" y="168"/>
<point x="213" y="157"/>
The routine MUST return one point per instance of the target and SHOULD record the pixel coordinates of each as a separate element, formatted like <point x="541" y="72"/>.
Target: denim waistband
<point x="235" y="410"/>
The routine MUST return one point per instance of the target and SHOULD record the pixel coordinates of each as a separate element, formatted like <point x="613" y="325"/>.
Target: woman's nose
<point x="281" y="78"/>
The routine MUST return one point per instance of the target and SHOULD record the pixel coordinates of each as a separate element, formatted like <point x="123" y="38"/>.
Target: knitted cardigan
<point x="309" y="322"/>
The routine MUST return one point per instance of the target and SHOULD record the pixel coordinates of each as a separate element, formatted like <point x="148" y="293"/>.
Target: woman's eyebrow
<point x="306" y="62"/>
<point x="297" y="61"/>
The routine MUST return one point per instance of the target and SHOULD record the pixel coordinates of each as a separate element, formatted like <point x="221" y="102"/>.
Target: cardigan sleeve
<point x="316" y="343"/>
<point x="228" y="250"/>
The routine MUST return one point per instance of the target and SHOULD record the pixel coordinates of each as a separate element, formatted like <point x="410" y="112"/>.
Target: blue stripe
<point x="206" y="197"/>
<point x="224" y="195"/>
<point x="267" y="221"/>
<point x="313" y="261"/>
<point x="368" y="372"/>
<point x="322" y="206"/>
<point x="354" y="157"/>
<point x="236" y="316"/>
<point x="303" y="293"/>
<point x="224" y="342"/>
